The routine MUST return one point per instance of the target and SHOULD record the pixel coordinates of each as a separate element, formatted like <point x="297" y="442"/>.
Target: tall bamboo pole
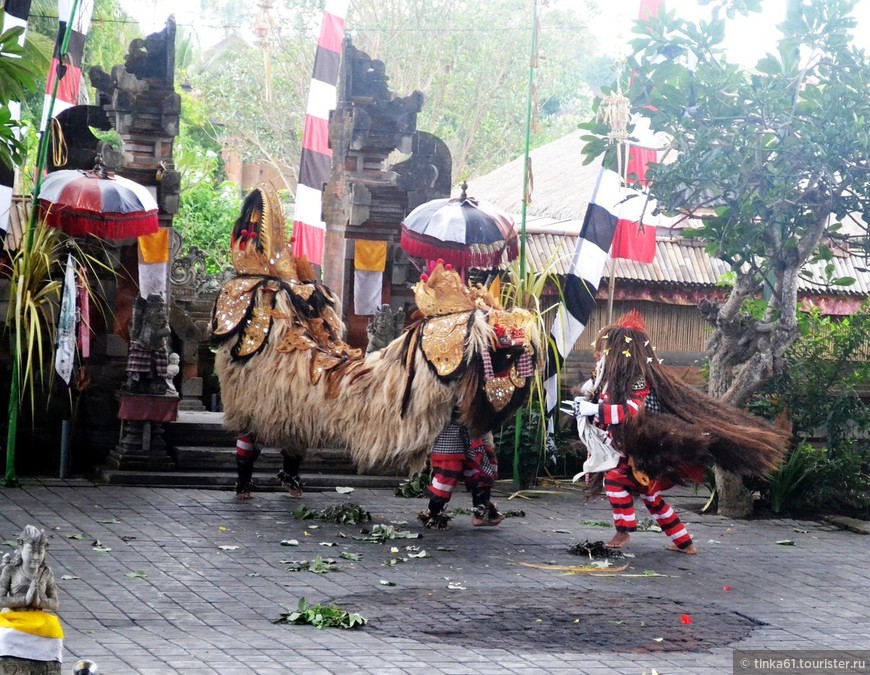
<point x="533" y="63"/>
<point x="10" y="478"/>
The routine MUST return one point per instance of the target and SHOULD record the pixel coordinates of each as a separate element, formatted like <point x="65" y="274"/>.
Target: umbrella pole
<point x="533" y="63"/>
<point x="10" y="478"/>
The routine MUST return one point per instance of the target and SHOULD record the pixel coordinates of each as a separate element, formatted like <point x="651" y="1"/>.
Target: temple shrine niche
<point x="369" y="193"/>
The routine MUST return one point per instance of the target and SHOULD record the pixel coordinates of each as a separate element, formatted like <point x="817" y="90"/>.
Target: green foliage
<point x="205" y="219"/>
<point x="342" y="514"/>
<point x="318" y="566"/>
<point x="782" y="487"/>
<point x="322" y="616"/>
<point x="471" y="61"/>
<point x="817" y="480"/>
<point x="18" y="75"/>
<point x="530" y="447"/>
<point x="821" y="392"/>
<point x="826" y="371"/>
<point x="209" y="205"/>
<point x="110" y="137"/>
<point x="35" y="274"/>
<point x="765" y="147"/>
<point x="109" y="36"/>
<point x="763" y="156"/>
<point x="416" y="484"/>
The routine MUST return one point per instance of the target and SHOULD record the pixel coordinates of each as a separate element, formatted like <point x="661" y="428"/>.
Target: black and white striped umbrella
<point x="461" y="231"/>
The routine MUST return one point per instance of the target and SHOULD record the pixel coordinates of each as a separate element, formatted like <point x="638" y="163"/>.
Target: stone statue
<point x="31" y="639"/>
<point x="26" y="582"/>
<point x="384" y="327"/>
<point x="148" y="356"/>
<point x="171" y="371"/>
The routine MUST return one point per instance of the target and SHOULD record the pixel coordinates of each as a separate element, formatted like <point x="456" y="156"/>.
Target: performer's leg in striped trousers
<point x="621" y="487"/>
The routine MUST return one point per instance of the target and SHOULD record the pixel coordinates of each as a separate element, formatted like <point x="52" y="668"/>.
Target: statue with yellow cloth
<point x="27" y="589"/>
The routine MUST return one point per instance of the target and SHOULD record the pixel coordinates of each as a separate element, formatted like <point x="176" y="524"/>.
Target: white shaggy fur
<point x="271" y="396"/>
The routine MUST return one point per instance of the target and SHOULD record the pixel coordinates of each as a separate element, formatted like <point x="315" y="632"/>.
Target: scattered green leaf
<point x="648" y="525"/>
<point x="322" y="616"/>
<point x="416" y="485"/>
<point x="318" y="565"/>
<point x="304" y="513"/>
<point x="381" y="533"/>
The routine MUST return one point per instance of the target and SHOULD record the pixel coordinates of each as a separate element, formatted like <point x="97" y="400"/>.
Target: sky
<point x="747" y="39"/>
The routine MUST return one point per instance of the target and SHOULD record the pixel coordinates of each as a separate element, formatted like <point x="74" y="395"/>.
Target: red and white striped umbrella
<point x="97" y="203"/>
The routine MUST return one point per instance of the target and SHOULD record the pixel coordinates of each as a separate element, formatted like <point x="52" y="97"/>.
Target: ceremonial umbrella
<point x="461" y="231"/>
<point x="97" y="202"/>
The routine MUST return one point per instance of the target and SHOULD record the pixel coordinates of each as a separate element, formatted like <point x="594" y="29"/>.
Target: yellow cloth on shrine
<point x="154" y="248"/>
<point x="154" y="263"/>
<point x="369" y="256"/>
<point x="31" y="635"/>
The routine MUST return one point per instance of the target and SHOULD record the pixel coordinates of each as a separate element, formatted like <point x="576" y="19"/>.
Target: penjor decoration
<point x="288" y="378"/>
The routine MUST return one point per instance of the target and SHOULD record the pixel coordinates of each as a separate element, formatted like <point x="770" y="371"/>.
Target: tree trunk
<point x="734" y="500"/>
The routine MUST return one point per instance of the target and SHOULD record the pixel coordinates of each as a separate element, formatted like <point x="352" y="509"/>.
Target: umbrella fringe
<point x="103" y="225"/>
<point x="481" y="256"/>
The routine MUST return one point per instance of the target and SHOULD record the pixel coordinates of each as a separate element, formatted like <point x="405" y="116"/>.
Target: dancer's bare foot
<point x="243" y="495"/>
<point x="243" y="491"/>
<point x="689" y="550"/>
<point x="293" y="491"/>
<point x="486" y="515"/>
<point x="293" y="484"/>
<point x="619" y="540"/>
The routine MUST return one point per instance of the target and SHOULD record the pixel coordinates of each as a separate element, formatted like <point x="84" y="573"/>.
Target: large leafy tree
<point x="471" y="61"/>
<point x="775" y="158"/>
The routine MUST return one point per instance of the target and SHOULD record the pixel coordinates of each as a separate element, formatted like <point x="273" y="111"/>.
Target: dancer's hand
<point x="580" y="407"/>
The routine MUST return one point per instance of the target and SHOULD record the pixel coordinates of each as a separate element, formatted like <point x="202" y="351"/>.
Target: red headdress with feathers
<point x="632" y="319"/>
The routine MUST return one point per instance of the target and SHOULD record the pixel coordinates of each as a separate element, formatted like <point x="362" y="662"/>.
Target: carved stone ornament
<point x="31" y="639"/>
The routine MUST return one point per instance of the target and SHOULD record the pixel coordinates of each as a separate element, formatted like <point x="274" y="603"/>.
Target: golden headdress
<point x="442" y="291"/>
<point x="259" y="238"/>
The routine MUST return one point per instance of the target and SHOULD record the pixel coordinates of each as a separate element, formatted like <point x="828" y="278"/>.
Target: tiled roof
<point x="679" y="261"/>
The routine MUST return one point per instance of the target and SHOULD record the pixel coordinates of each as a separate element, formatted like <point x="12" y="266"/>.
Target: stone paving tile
<point x="203" y="609"/>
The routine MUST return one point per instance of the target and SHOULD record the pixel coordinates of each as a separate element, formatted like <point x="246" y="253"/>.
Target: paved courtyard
<point x="190" y="581"/>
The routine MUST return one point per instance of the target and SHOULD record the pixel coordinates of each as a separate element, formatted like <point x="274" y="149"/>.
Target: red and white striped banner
<point x="70" y="72"/>
<point x="309" y="230"/>
<point x="15" y="14"/>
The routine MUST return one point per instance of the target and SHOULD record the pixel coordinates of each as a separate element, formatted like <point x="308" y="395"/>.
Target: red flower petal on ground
<point x="685" y="619"/>
<point x="726" y="588"/>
